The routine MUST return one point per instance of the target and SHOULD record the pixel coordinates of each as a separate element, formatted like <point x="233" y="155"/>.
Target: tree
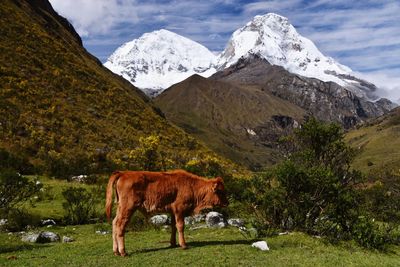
<point x="313" y="189"/>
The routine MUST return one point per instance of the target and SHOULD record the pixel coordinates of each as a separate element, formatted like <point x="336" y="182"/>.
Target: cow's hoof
<point x="116" y="253"/>
<point x="172" y="245"/>
<point x="184" y="247"/>
<point x="124" y="254"/>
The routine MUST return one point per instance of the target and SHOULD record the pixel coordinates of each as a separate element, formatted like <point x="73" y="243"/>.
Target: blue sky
<point x="361" y="34"/>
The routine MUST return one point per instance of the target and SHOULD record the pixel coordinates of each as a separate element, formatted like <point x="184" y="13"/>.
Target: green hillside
<point x="60" y="109"/>
<point x="235" y="121"/>
<point x="378" y="143"/>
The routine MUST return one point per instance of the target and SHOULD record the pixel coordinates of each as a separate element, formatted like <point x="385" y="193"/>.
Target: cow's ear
<point x="219" y="180"/>
<point x="214" y="187"/>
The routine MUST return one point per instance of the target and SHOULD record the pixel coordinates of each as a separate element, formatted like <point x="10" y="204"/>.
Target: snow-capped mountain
<point x="160" y="59"/>
<point x="272" y="37"/>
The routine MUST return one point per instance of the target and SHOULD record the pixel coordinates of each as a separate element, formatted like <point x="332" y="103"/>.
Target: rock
<point x="79" y="178"/>
<point x="160" y="219"/>
<point x="42" y="237"/>
<point x="102" y="232"/>
<point x="236" y="222"/>
<point x="47" y="237"/>
<point x="3" y="222"/>
<point x="215" y="219"/>
<point x="199" y="218"/>
<point x="30" y="237"/>
<point x="262" y="245"/>
<point x="189" y="220"/>
<point x="48" y="222"/>
<point x="66" y="239"/>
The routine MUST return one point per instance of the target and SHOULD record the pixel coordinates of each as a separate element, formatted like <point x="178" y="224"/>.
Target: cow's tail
<point x="113" y="178"/>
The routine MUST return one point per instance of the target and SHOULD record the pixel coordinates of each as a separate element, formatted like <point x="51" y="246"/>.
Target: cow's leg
<point x="114" y="235"/>
<point x="173" y="231"/>
<point x="180" y="225"/>
<point x="124" y="213"/>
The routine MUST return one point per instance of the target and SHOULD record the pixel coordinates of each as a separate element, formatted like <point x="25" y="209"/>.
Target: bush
<point x="19" y="219"/>
<point x="79" y="205"/>
<point x="147" y="155"/>
<point x="382" y="198"/>
<point x="209" y="166"/>
<point x="314" y="190"/>
<point x="15" y="190"/>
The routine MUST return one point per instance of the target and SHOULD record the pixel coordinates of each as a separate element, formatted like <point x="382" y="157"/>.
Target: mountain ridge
<point x="270" y="36"/>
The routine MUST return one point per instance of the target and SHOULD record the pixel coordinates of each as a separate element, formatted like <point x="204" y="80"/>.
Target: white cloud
<point x="92" y="17"/>
<point x="388" y="82"/>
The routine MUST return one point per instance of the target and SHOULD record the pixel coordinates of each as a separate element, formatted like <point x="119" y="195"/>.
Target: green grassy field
<point x="207" y="247"/>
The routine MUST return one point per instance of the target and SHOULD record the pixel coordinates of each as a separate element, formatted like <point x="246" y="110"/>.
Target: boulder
<point x="236" y="222"/>
<point x="47" y="237"/>
<point x="262" y="245"/>
<point x="160" y="220"/>
<point x="199" y="218"/>
<point x="30" y="237"/>
<point x="215" y="219"/>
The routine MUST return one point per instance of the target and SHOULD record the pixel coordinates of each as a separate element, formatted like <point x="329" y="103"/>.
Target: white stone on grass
<point x="262" y="245"/>
<point x="66" y="239"/>
<point x="159" y="219"/>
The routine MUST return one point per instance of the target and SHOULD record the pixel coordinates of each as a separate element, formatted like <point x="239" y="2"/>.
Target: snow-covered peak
<point x="160" y="59"/>
<point x="272" y="37"/>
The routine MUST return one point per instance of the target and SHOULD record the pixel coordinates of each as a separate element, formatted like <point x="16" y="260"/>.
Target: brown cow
<point x="179" y="193"/>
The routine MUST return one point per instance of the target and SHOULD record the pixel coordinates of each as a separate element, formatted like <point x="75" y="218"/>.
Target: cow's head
<point x="217" y="194"/>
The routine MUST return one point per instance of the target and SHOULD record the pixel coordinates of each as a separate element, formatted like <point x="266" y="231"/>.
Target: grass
<point x="50" y="203"/>
<point x="378" y="144"/>
<point x="207" y="247"/>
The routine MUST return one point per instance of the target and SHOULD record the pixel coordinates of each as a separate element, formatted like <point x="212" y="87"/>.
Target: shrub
<point x="19" y="219"/>
<point x="15" y="190"/>
<point x="314" y="190"/>
<point x="208" y="166"/>
<point x="79" y="205"/>
<point x="147" y="155"/>
<point x="382" y="198"/>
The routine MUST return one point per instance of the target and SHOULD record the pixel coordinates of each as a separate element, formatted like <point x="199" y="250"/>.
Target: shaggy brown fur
<point x="179" y="193"/>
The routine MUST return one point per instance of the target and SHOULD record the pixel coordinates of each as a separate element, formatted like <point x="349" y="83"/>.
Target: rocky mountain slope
<point x="243" y="110"/>
<point x="325" y="100"/>
<point x="61" y="110"/>
<point x="160" y="59"/>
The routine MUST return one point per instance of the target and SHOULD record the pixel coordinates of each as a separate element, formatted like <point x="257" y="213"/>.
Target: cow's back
<point x="157" y="191"/>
